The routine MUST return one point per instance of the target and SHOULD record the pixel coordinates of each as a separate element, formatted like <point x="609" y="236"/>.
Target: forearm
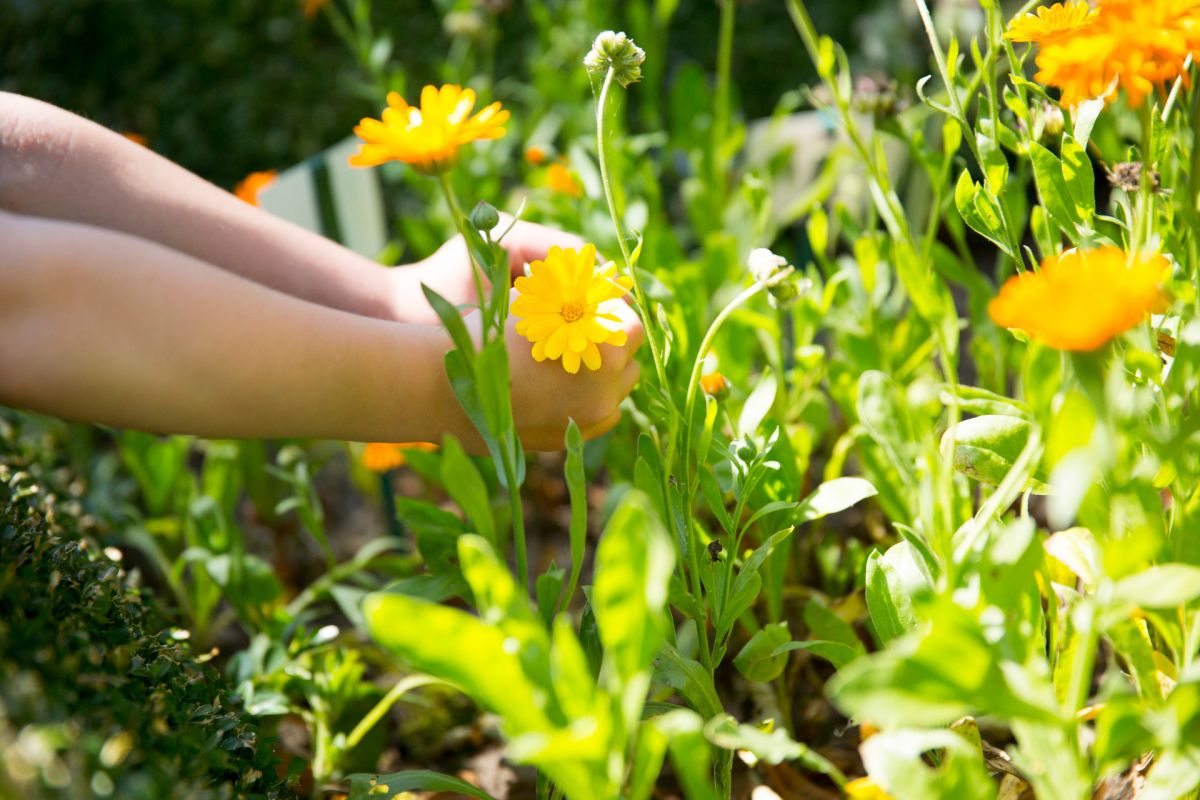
<point x="58" y="165"/>
<point x="104" y="327"/>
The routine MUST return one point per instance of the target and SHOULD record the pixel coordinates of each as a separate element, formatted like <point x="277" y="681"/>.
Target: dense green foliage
<point x="98" y="698"/>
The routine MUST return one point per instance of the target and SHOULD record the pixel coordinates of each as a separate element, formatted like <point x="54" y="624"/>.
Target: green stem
<point x="387" y="701"/>
<point x="610" y="197"/>
<point x="517" y="512"/>
<point x="460" y="222"/>
<point x="1144" y="226"/>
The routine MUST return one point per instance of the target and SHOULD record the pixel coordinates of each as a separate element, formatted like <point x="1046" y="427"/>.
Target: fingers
<point x="603" y="426"/>
<point x="629" y="377"/>
<point x="529" y="241"/>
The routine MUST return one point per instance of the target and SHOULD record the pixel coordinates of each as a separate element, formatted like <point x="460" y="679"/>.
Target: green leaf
<point x="576" y="480"/>
<point x="464" y="484"/>
<point x="1163" y="586"/>
<point x="453" y="645"/>
<point x="688" y="677"/>
<point x="366" y="787"/>
<point x="980" y="211"/>
<point x="892" y="580"/>
<point x="835" y="653"/>
<point x="896" y="760"/>
<point x="1080" y="179"/>
<point x="1052" y="188"/>
<point x="452" y="319"/>
<point x="747" y="584"/>
<point x="757" y="405"/>
<point x="834" y="496"/>
<point x="773" y="747"/>
<point x="634" y="561"/>
<point x="759" y="660"/>
<point x="986" y="447"/>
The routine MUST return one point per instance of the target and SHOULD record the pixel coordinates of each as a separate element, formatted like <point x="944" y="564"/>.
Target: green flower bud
<point x="484" y="217"/>
<point x="618" y="52"/>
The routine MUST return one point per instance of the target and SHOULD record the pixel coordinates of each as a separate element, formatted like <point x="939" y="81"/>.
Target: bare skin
<point x="133" y="293"/>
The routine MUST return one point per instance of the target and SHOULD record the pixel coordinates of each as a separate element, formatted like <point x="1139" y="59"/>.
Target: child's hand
<point x="448" y="271"/>
<point x="545" y="396"/>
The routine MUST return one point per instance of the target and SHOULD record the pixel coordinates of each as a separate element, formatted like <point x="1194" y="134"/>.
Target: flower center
<point x="573" y="310"/>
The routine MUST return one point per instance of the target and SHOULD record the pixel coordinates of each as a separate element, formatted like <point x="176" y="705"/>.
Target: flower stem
<point x="606" y="181"/>
<point x="722" y="96"/>
<point x="459" y="223"/>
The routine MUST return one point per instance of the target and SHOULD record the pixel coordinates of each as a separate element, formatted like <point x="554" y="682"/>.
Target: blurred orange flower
<point x="1082" y="299"/>
<point x="313" y="7"/>
<point x="387" y="456"/>
<point x="1136" y="45"/>
<point x="561" y="180"/>
<point x="428" y="137"/>
<point x="535" y="155"/>
<point x="254" y="183"/>
<point x="713" y="383"/>
<point x="136" y="138"/>
<point x="1050" y="21"/>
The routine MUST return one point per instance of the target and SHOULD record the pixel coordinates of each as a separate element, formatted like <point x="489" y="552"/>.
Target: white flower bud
<point x="617" y="51"/>
<point x="763" y="263"/>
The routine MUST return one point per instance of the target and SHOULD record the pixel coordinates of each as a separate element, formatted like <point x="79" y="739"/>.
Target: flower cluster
<point x="1082" y="299"/>
<point x="565" y="307"/>
<point x="427" y="137"/>
<point x="1138" y="46"/>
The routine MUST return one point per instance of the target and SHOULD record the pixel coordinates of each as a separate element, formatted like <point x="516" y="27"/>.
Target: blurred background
<point x="229" y="87"/>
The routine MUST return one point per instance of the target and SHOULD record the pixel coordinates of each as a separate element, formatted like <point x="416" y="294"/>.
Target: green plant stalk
<point x="959" y="112"/>
<point x="508" y="458"/>
<point x="459" y="221"/>
<point x="1143" y="227"/>
<point x="606" y="181"/>
<point x="377" y="711"/>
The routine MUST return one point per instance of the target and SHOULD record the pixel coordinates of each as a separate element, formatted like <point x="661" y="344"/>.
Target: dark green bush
<point x="97" y="699"/>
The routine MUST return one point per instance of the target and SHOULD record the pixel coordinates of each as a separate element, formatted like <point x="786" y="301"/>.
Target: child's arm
<point x="101" y="326"/>
<point x="58" y="165"/>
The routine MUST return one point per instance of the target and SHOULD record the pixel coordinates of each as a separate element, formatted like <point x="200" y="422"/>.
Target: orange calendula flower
<point x="1082" y="299"/>
<point x="427" y="137"/>
<point x="560" y="180"/>
<point x="865" y="789"/>
<point x="1049" y="21"/>
<point x="1138" y="46"/>
<point x="566" y="307"/>
<point x="254" y="183"/>
<point x="713" y="383"/>
<point x="387" y="456"/>
<point x="535" y="155"/>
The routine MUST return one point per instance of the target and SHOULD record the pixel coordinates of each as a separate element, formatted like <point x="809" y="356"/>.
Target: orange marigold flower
<point x="713" y="383"/>
<point x="1136" y="45"/>
<point x="428" y="137"/>
<point x="1050" y="21"/>
<point x="865" y="789"/>
<point x="566" y="306"/>
<point x="254" y="183"/>
<point x="387" y="456"/>
<point x="1082" y="299"/>
<point x="535" y="155"/>
<point x="560" y="180"/>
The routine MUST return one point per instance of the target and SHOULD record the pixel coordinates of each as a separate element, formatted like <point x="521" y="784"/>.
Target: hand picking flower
<point x="566" y="307"/>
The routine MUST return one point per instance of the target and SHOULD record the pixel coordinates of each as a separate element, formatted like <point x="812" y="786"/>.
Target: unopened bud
<point x="616" y="51"/>
<point x="484" y="217"/>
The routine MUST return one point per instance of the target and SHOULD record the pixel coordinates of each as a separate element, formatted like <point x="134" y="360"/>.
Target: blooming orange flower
<point x="1136" y="45"/>
<point x="428" y="137"/>
<point x="713" y="383"/>
<point x="254" y="183"/>
<point x="1082" y="299"/>
<point x="566" y="307"/>
<point x="1050" y="21"/>
<point x="560" y="180"/>
<point x="387" y="456"/>
<point x="535" y="155"/>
